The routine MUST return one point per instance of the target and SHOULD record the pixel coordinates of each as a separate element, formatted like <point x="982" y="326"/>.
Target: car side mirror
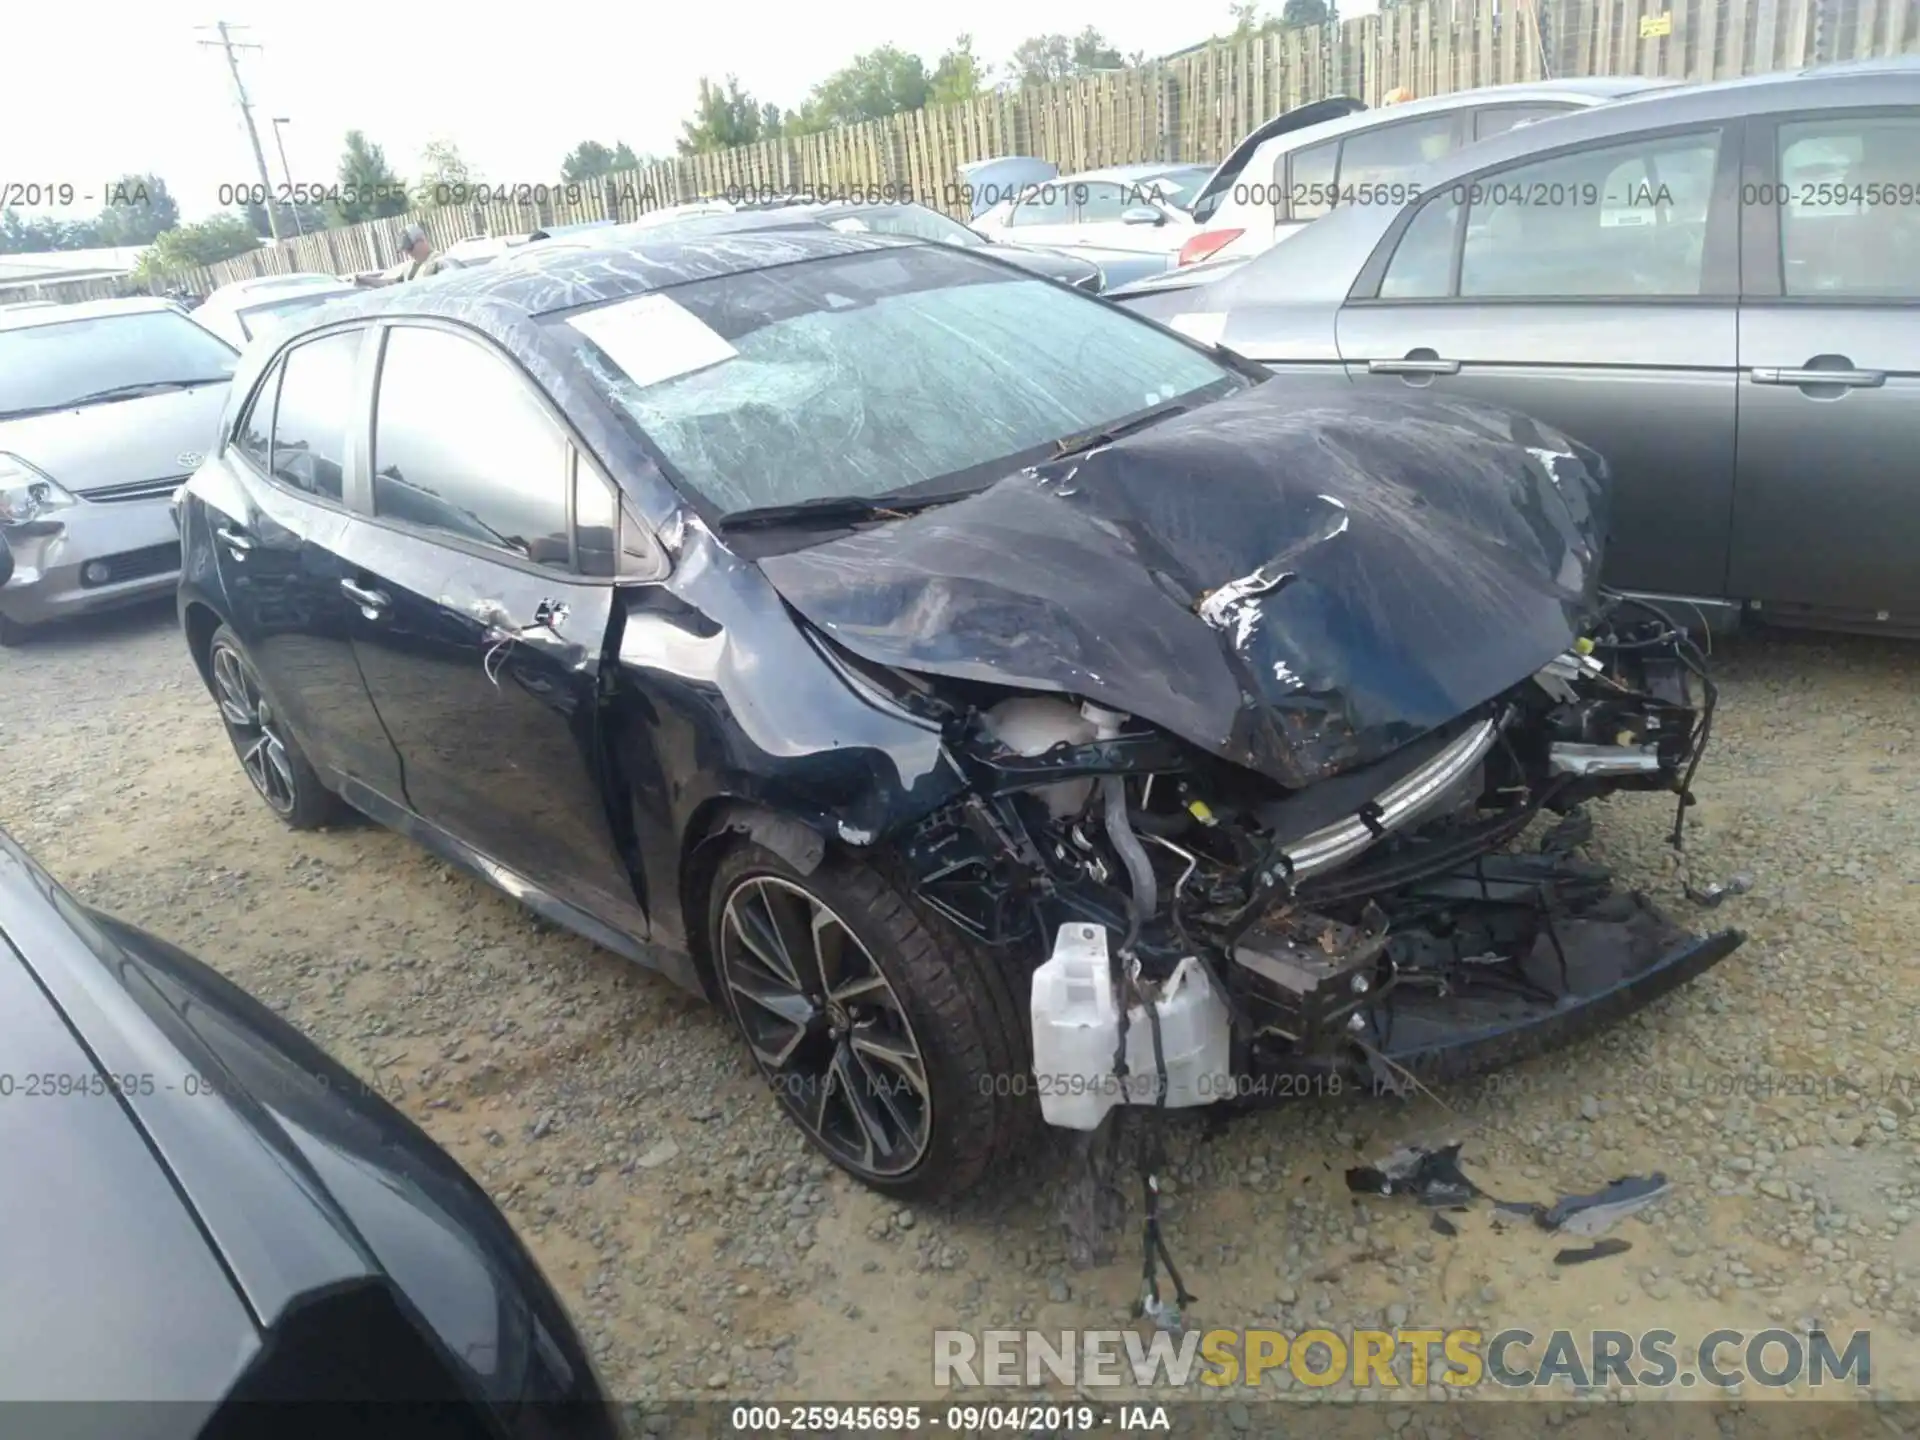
<point x="1142" y="215"/>
<point x="6" y="560"/>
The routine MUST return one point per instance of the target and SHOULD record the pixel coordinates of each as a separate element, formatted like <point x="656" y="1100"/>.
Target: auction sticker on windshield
<point x="652" y="338"/>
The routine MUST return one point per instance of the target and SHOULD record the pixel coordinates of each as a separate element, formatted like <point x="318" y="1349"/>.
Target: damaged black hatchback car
<point x="1002" y="706"/>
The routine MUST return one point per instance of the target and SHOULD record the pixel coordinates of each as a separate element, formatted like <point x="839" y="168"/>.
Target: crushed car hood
<point x="1298" y="579"/>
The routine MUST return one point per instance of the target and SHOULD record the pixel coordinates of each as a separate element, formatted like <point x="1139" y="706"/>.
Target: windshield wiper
<point x="1107" y="434"/>
<point x="119" y="392"/>
<point x="829" y="508"/>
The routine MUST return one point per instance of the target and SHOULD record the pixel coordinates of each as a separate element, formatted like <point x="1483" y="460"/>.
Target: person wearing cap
<point x="417" y="251"/>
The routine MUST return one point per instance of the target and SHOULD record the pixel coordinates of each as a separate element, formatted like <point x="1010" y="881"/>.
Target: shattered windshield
<point x="878" y="373"/>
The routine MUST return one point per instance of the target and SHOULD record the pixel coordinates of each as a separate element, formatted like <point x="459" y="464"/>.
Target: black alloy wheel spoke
<point x="825" y="1026"/>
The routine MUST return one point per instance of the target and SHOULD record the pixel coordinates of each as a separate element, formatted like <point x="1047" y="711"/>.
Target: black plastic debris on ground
<point x="1443" y="1226"/>
<point x="1599" y="1212"/>
<point x="1433" y="1177"/>
<point x="1599" y="1250"/>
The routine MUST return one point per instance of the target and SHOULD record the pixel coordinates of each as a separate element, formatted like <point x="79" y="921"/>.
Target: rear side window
<point x="1848" y="204"/>
<point x="1101" y="200"/>
<point x="1307" y="185"/>
<point x="1618" y="220"/>
<point x="1389" y="153"/>
<point x="254" y="436"/>
<point x="1422" y="266"/>
<point x="463" y="447"/>
<point x="1049" y="204"/>
<point x="314" y="414"/>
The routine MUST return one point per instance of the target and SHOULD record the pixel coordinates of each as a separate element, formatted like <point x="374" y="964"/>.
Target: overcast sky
<point x="95" y="91"/>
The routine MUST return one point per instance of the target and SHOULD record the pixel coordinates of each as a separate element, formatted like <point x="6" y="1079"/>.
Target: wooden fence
<point x="1189" y="107"/>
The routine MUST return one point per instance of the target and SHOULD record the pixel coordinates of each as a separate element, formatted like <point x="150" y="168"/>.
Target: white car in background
<point x="1300" y="165"/>
<point x="1130" y="220"/>
<point x="239" y="312"/>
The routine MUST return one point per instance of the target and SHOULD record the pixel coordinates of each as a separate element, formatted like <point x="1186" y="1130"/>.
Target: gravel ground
<point x="705" y="1252"/>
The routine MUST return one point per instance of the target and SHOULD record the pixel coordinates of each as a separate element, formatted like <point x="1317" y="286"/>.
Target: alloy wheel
<point x="251" y="724"/>
<point x="825" y="1026"/>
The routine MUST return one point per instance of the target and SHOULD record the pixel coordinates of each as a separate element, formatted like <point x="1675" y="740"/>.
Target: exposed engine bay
<point x="1384" y="923"/>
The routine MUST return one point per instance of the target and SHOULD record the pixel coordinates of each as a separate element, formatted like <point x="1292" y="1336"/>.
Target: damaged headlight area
<point x="1194" y="927"/>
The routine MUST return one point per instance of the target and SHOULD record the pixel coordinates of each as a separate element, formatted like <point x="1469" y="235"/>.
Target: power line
<point x="226" y="42"/>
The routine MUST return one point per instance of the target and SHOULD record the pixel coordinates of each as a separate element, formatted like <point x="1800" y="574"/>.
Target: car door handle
<point x="370" y="600"/>
<point x="1854" y="379"/>
<point x="1413" y="367"/>
<point x="235" y="540"/>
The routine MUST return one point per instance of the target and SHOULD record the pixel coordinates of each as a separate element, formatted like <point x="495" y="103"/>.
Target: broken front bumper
<point x="1582" y="973"/>
<point x="1504" y="958"/>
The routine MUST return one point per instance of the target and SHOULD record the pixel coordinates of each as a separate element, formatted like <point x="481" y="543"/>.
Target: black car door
<point x="278" y="515"/>
<point x="481" y="621"/>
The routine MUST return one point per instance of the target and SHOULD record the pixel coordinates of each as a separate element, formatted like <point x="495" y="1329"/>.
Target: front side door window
<point x="461" y="448"/>
<point x="1849" y="206"/>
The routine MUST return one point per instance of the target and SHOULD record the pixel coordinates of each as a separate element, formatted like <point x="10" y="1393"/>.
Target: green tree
<point x="369" y="188"/>
<point x="878" y="83"/>
<point x="590" y="160"/>
<point x="38" y="234"/>
<point x="1307" y="12"/>
<point x="959" y="75"/>
<point x="724" y="116"/>
<point x="773" y="122"/>
<point x="1046" y="58"/>
<point x="205" y="243"/>
<point x="137" y="211"/>
<point x="444" y="175"/>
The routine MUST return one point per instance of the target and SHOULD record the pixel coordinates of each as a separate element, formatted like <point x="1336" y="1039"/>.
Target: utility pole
<point x="280" y="144"/>
<point x="226" y="43"/>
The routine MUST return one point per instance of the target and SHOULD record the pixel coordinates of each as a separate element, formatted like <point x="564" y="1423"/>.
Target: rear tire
<point x="269" y="755"/>
<point x="893" y="1042"/>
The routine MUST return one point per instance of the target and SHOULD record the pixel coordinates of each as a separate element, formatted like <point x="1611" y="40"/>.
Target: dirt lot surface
<point x="704" y="1251"/>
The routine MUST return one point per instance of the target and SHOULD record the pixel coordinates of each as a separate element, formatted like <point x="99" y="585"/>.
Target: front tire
<point x="892" y="1042"/>
<point x="270" y="756"/>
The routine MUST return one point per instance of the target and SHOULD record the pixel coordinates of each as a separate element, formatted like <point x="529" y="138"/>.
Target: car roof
<point x="240" y="293"/>
<point x="541" y="279"/>
<point x="1582" y="90"/>
<point x="547" y="277"/>
<point x="85" y="310"/>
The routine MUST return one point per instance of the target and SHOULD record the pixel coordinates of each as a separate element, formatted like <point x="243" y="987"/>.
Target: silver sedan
<point x="106" y="406"/>
<point x="1715" y="286"/>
